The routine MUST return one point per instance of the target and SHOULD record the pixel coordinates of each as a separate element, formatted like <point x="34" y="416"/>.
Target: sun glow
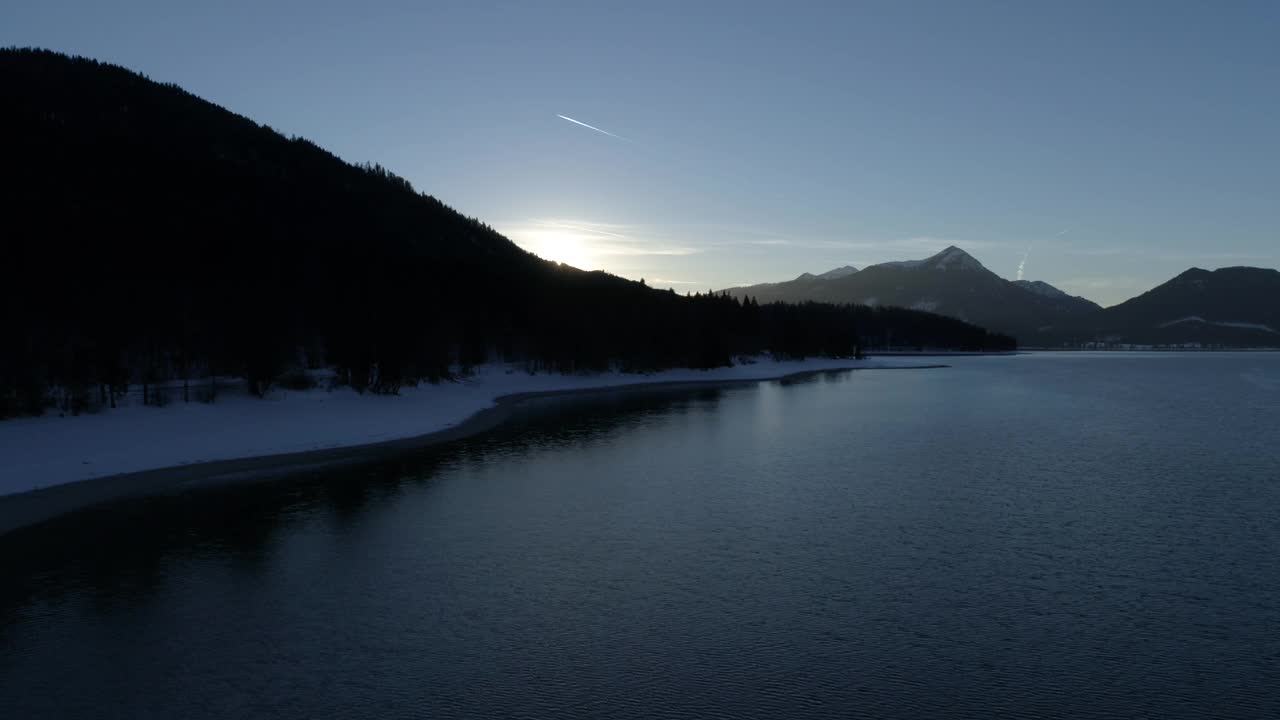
<point x="589" y="245"/>
<point x="562" y="246"/>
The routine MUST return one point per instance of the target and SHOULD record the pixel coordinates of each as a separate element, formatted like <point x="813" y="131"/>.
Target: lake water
<point x="1076" y="536"/>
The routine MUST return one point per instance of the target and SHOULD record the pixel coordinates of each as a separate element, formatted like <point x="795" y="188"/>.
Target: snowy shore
<point x="47" y="451"/>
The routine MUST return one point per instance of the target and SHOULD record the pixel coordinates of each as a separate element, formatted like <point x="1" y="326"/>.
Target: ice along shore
<point x="52" y="465"/>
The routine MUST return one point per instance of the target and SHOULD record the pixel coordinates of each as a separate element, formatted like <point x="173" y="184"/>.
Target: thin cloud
<point x="590" y="245"/>
<point x="581" y="226"/>
<point x="636" y="250"/>
<point x="712" y="235"/>
<point x="1149" y="253"/>
<point x="589" y="127"/>
<point x="910" y="248"/>
<point x="609" y="238"/>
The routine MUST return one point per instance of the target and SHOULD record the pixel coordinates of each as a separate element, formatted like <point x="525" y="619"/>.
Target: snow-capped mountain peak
<point x="953" y="257"/>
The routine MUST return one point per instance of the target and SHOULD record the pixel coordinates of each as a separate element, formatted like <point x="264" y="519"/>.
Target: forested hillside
<point x="149" y="235"/>
<point x="1231" y="307"/>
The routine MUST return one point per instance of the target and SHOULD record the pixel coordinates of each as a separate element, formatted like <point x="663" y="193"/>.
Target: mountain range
<point x="150" y="235"/>
<point x="1238" y="306"/>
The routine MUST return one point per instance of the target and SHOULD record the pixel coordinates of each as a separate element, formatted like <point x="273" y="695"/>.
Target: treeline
<point x="149" y="235"/>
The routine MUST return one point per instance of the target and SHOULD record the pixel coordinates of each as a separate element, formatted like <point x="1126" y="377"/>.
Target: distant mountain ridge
<point x="838" y="273"/>
<point x="1041" y="287"/>
<point x="951" y="282"/>
<point x="1231" y="306"/>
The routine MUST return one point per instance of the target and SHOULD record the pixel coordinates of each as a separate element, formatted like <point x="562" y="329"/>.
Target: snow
<point x="838" y="273"/>
<point x="1250" y="326"/>
<point x="835" y="274"/>
<point x="1198" y="319"/>
<point x="1042" y="288"/>
<point x="955" y="257"/>
<point x="53" y="450"/>
<point x="901" y="263"/>
<point x="952" y="257"/>
<point x="1190" y="318"/>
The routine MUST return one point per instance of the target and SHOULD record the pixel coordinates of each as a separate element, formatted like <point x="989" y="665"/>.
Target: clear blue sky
<point x="1122" y="141"/>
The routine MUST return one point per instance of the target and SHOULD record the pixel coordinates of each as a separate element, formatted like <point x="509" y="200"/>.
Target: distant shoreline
<point x="30" y="508"/>
<point x="1147" y="350"/>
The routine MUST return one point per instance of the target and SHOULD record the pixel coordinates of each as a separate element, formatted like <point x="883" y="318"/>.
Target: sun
<point x="562" y="246"/>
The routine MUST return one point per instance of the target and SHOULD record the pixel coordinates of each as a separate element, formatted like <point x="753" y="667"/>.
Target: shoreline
<point x="32" y="507"/>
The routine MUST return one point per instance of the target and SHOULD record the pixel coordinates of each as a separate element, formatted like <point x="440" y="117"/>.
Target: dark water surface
<point x="1038" y="536"/>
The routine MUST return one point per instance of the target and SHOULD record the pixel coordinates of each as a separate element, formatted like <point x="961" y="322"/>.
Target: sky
<point x="1104" y="146"/>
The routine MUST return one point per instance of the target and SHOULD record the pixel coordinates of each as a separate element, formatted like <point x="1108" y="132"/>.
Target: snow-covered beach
<point x="53" y="450"/>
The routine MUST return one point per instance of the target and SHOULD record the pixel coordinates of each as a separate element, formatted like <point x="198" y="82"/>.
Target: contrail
<point x="1027" y="252"/>
<point x="590" y="127"/>
<point x="1023" y="264"/>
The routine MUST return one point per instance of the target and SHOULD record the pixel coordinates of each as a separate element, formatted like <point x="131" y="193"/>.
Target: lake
<point x="1050" y="535"/>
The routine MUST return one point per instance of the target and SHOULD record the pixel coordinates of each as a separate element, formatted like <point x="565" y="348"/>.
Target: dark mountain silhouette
<point x="149" y="234"/>
<point x="1041" y="287"/>
<point x="951" y="283"/>
<point x="838" y="273"/>
<point x="1231" y="307"/>
<point x="1236" y="306"/>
